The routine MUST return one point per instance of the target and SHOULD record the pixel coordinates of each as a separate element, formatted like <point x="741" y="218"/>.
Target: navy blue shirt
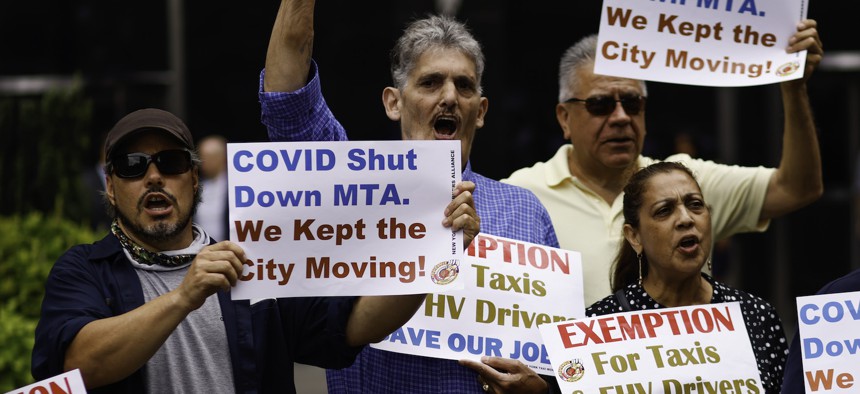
<point x="91" y="282"/>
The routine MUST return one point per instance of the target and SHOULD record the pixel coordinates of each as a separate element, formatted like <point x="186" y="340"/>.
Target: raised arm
<point x="109" y="350"/>
<point x="291" y="103"/>
<point x="291" y="45"/>
<point x="798" y="180"/>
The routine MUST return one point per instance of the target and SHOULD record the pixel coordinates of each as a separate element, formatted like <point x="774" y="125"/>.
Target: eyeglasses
<point x="169" y="162"/>
<point x="605" y="105"/>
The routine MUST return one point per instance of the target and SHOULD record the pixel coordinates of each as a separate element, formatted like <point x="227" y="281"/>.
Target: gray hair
<point x="577" y="56"/>
<point x="431" y="33"/>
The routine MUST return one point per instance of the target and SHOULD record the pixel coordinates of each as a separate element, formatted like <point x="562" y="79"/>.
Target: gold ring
<point x="486" y="387"/>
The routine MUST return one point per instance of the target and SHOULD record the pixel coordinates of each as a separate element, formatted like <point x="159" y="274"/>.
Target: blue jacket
<point x="91" y="282"/>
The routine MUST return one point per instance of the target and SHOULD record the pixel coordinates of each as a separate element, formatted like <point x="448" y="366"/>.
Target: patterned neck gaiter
<point x="144" y="256"/>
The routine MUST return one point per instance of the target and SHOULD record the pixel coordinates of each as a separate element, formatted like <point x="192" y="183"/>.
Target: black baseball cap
<point x="147" y="119"/>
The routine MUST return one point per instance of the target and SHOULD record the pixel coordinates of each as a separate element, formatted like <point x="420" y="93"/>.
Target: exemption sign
<point x="694" y="349"/>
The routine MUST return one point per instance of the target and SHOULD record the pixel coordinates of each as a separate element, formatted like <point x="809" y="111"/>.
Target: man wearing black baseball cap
<point x="147" y="308"/>
<point x="148" y="118"/>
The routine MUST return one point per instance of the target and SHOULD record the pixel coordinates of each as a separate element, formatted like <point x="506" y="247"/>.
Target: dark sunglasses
<point x="169" y="162"/>
<point x="605" y="105"/>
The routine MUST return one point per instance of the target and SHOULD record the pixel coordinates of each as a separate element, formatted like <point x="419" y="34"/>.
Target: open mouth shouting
<point x="689" y="244"/>
<point x="157" y="204"/>
<point x="445" y="127"/>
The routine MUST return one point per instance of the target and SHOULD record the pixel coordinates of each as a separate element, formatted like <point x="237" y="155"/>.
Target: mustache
<point x="155" y="189"/>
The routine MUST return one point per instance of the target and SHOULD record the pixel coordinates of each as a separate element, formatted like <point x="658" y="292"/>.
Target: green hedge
<point x="29" y="246"/>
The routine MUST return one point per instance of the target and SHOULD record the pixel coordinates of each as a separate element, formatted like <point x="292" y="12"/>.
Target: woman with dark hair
<point x="667" y="227"/>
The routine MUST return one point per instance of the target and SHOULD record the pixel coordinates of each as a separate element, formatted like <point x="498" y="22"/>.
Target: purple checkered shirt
<point x="505" y="210"/>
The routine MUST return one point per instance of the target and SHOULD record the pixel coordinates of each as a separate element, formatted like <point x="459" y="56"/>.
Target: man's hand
<point x="215" y="267"/>
<point x="806" y="39"/>
<point x="461" y="214"/>
<point x="502" y="375"/>
<point x="110" y="349"/>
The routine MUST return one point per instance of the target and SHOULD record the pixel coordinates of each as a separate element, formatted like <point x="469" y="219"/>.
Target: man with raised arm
<point x="436" y="70"/>
<point x="604" y="119"/>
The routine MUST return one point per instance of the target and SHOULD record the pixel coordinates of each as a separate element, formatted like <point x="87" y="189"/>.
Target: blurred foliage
<point x="28" y="249"/>
<point x="41" y="158"/>
<point x="16" y="332"/>
<point x="43" y="210"/>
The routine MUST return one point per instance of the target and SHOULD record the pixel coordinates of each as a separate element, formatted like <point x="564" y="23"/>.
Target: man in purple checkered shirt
<point x="436" y="67"/>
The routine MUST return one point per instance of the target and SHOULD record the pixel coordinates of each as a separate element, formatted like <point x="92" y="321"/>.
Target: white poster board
<point x="700" y="42"/>
<point x="344" y="218"/>
<point x="512" y="287"/>
<point x="671" y="350"/>
<point x="66" y="383"/>
<point x="829" y="329"/>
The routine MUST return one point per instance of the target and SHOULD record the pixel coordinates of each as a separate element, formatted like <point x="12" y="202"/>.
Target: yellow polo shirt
<point x="585" y="223"/>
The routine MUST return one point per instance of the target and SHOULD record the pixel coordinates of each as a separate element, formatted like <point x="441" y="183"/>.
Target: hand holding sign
<point x="460" y="213"/>
<point x="806" y="39"/>
<point x="215" y="267"/>
<point x="503" y="375"/>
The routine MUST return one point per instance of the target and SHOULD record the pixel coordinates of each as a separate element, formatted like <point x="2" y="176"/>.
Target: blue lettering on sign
<point x="237" y="164"/>
<point x="831" y="312"/>
<point x="749" y="7"/>
<point x="245" y="196"/>
<point x="530" y="352"/>
<point x="347" y="195"/>
<point x="746" y="6"/>
<point x="476" y="345"/>
<point x="804" y="314"/>
<point x="815" y="347"/>
<point x="415" y="337"/>
<point x="370" y="160"/>
<point x="268" y="160"/>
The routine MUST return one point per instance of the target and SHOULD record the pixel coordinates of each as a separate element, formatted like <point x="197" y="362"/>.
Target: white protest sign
<point x="829" y="329"/>
<point x="700" y="42"/>
<point x="512" y="287"/>
<point x="344" y="218"/>
<point x="66" y="383"/>
<point x="701" y="349"/>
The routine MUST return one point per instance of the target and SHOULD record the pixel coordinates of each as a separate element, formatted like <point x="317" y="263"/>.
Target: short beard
<point x="160" y="231"/>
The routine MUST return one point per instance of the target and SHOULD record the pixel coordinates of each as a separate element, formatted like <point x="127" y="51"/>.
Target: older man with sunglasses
<point x="147" y="309"/>
<point x="604" y="119"/>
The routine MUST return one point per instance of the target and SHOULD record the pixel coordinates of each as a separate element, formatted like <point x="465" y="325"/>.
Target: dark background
<point x="120" y="49"/>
